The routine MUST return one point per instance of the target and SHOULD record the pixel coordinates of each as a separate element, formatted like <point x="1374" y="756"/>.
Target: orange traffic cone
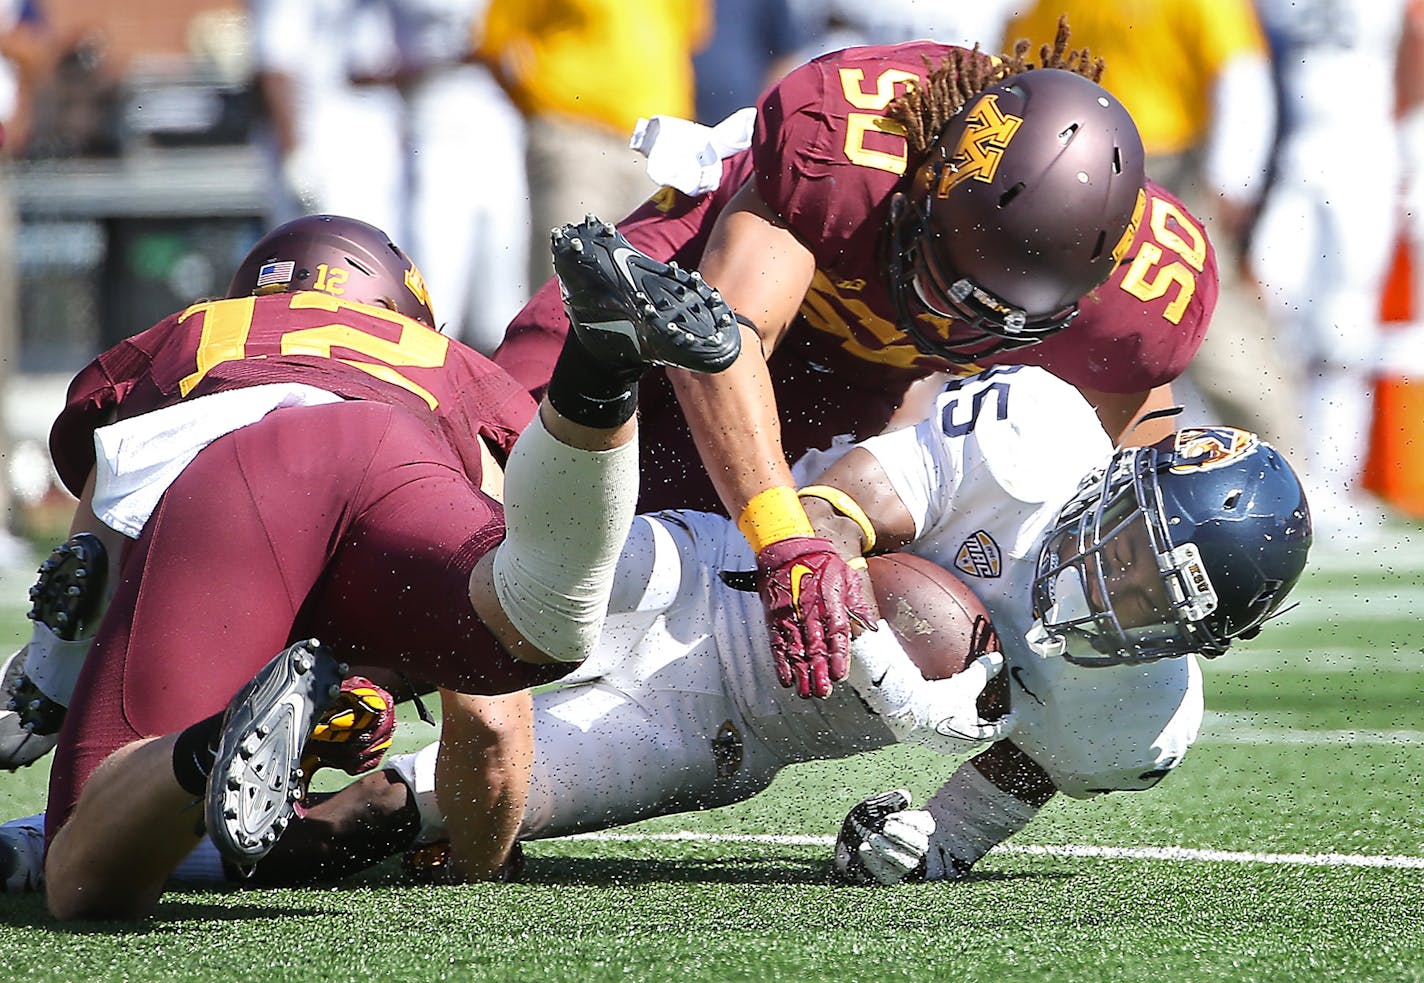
<point x="1394" y="467"/>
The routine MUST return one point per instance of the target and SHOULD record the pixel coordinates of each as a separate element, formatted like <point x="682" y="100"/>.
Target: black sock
<point x="194" y="751"/>
<point x="589" y="392"/>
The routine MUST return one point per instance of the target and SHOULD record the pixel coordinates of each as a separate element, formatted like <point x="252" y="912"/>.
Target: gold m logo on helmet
<point x="987" y="133"/>
<point x="415" y="283"/>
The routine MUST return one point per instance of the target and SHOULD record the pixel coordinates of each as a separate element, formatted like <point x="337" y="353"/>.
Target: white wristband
<point x="882" y="673"/>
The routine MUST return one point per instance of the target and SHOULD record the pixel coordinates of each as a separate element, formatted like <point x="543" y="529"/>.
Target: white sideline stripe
<point x="1228" y="728"/>
<point x="1109" y="852"/>
<point x="1264" y="735"/>
<point x="1222" y="856"/>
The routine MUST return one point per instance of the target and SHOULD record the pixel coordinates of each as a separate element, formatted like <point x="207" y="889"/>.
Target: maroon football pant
<point x="352" y="523"/>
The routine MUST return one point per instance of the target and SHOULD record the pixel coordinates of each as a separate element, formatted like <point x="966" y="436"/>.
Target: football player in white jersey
<point x="1100" y="590"/>
<point x="1327" y="229"/>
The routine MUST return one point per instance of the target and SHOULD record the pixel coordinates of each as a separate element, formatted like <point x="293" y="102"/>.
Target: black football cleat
<point x="67" y="594"/>
<point x="257" y="777"/>
<point x="633" y="312"/>
<point x="68" y="599"/>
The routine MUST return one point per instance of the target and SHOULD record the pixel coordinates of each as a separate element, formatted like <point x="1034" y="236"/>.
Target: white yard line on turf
<point x="1250" y="728"/>
<point x="1106" y="852"/>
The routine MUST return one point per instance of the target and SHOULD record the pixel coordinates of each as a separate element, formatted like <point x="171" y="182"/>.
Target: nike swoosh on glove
<point x="810" y="596"/>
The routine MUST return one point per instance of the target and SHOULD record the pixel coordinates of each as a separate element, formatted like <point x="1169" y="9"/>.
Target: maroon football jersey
<point x="827" y="161"/>
<point x="353" y="350"/>
<point x="1143" y="327"/>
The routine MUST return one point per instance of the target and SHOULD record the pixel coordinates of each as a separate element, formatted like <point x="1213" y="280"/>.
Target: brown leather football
<point x="942" y="625"/>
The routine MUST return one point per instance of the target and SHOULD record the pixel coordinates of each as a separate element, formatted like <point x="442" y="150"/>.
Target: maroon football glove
<point x="810" y="595"/>
<point x="355" y="733"/>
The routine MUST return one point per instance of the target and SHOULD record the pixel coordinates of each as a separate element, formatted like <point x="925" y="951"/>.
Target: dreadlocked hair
<point x="964" y="73"/>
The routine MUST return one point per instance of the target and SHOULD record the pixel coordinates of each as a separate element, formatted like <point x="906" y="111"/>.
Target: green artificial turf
<point x="1296" y="819"/>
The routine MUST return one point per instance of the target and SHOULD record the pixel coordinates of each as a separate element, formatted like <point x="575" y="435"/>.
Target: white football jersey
<point x="986" y="473"/>
<point x="984" y="477"/>
<point x="679" y="708"/>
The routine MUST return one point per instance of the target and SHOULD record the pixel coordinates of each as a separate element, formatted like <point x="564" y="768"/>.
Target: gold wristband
<point x="773" y="515"/>
<point x="847" y="507"/>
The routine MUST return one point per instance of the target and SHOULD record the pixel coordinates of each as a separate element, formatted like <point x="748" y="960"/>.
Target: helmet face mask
<point x="1172" y="549"/>
<point x="344" y="257"/>
<point x="1025" y="203"/>
<point x="1110" y="585"/>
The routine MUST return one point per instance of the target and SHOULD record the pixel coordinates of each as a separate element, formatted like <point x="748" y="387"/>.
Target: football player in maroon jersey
<point x="304" y="460"/>
<point x="902" y="210"/>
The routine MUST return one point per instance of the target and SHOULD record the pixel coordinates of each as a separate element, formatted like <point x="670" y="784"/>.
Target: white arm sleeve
<point x="1008" y="435"/>
<point x="923" y="475"/>
<point x="971" y="816"/>
<point x="567" y="513"/>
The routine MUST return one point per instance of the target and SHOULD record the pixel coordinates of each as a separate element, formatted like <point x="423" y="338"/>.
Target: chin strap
<point x="1147" y="417"/>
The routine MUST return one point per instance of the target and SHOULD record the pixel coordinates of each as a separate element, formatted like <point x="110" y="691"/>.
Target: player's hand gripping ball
<point x="941" y="624"/>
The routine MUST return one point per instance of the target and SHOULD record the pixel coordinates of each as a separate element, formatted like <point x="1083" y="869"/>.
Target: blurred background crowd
<point x="148" y="143"/>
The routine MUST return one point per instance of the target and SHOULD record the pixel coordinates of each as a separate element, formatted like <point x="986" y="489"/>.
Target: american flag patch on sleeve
<point x="272" y="274"/>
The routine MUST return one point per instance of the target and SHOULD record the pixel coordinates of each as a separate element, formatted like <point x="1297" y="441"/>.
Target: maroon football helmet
<point x="340" y="256"/>
<point x="1020" y="209"/>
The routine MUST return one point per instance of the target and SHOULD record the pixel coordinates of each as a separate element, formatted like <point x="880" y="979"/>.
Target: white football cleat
<point x="257" y="776"/>
<point x="19" y="744"/>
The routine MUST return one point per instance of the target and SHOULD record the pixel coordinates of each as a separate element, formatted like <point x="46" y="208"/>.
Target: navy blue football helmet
<point x="1175" y="548"/>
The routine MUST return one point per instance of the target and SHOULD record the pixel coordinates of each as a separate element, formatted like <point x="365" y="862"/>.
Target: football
<point x="936" y="617"/>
